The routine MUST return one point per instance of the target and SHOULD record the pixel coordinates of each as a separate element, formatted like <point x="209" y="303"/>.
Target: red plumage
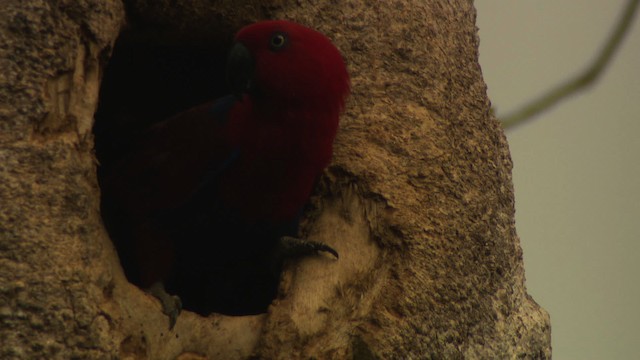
<point x="287" y="125"/>
<point x="201" y="187"/>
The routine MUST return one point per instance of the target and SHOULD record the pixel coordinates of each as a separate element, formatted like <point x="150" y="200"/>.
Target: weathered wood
<point x="418" y="201"/>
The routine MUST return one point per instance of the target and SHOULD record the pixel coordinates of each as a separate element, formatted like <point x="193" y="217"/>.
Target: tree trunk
<point x="418" y="200"/>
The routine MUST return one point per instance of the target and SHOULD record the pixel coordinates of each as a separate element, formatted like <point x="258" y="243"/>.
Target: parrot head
<point x="289" y="64"/>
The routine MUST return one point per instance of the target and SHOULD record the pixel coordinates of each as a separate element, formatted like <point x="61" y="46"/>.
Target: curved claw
<point x="294" y="247"/>
<point x="326" y="248"/>
<point x="171" y="304"/>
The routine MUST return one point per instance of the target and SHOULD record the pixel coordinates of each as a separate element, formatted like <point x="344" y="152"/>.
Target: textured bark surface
<point x="418" y="201"/>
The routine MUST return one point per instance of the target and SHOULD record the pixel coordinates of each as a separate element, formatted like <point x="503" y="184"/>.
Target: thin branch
<point x="581" y="81"/>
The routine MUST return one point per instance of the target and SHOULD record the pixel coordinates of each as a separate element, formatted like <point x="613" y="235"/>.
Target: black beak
<point x="240" y="69"/>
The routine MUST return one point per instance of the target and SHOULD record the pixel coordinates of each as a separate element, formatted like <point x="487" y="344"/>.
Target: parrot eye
<point x="278" y="41"/>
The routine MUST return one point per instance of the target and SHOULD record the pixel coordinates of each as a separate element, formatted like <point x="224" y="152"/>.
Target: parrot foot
<point x="171" y="304"/>
<point x="291" y="247"/>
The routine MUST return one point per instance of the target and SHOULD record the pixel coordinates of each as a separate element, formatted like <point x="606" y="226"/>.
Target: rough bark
<point x="418" y="201"/>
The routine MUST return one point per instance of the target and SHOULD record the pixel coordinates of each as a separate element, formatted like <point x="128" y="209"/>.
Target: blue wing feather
<point x="221" y="107"/>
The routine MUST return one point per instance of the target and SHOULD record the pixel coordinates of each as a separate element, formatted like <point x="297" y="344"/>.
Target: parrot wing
<point x="171" y="161"/>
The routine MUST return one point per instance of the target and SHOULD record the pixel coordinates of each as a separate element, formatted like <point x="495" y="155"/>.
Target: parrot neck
<point x="292" y="129"/>
<point x="282" y="151"/>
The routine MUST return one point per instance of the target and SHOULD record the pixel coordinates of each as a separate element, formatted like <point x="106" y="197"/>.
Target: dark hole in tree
<point x="221" y="268"/>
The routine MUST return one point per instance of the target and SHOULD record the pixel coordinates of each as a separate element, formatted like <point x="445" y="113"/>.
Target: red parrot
<point x="207" y="202"/>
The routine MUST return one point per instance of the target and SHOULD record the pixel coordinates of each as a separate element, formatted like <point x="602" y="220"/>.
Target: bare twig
<point x="581" y="81"/>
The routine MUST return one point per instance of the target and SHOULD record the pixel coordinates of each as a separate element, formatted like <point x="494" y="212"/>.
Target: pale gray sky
<point x="577" y="168"/>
